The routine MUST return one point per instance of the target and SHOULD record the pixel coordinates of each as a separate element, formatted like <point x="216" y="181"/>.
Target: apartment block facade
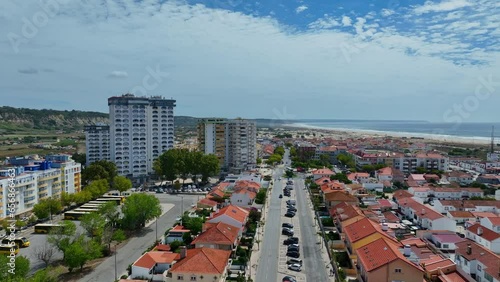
<point x="406" y="163"/>
<point x="233" y="141"/>
<point x="35" y="179"/>
<point x="141" y="129"/>
<point x="97" y="143"/>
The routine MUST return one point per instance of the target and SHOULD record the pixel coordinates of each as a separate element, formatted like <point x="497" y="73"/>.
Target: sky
<point x="282" y="59"/>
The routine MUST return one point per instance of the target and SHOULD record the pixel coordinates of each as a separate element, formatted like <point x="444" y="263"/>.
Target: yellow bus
<point x="21" y="242"/>
<point x="122" y="198"/>
<point x="74" y="215"/>
<point x="8" y="249"/>
<point x="45" y="228"/>
<point x="116" y="200"/>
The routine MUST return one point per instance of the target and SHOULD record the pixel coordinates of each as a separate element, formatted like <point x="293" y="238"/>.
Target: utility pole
<point x="116" y="275"/>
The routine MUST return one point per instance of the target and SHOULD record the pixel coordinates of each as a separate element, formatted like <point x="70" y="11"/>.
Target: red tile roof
<point x="344" y="211"/>
<point x="340" y="196"/>
<point x="390" y="217"/>
<point x="207" y="202"/>
<point x="488" y="234"/>
<point x="232" y="211"/>
<point x="360" y="229"/>
<point x="495" y="220"/>
<point x="179" y="228"/>
<point x="221" y="233"/>
<point x="485" y="256"/>
<point x="324" y="179"/>
<point x="379" y="253"/>
<point x="325" y="171"/>
<point x="149" y="259"/>
<point x="461" y="214"/>
<point x="202" y="260"/>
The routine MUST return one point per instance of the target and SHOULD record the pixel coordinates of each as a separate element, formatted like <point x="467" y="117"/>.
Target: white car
<point x="279" y="178"/>
<point x="294" y="267"/>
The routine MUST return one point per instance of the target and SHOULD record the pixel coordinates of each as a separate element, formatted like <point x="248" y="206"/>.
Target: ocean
<point x="479" y="131"/>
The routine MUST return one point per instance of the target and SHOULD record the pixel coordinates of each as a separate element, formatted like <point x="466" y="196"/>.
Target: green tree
<point x="97" y="188"/>
<point x="109" y="211"/>
<point x="274" y="158"/>
<point x="342" y="177"/>
<point x="48" y="274"/>
<point x="93" y="223"/>
<point x="67" y="199"/>
<point x="62" y="237"/>
<point x="324" y="159"/>
<point x="194" y="224"/>
<point x="421" y="170"/>
<point x="209" y="166"/>
<point x="194" y="163"/>
<point x="135" y="213"/>
<point x="99" y="170"/>
<point x="121" y="183"/>
<point x="21" y="269"/>
<point x="259" y="161"/>
<point x="279" y="150"/>
<point x="170" y="164"/>
<point x="79" y="252"/>
<point x="79" y="158"/>
<point x="46" y="207"/>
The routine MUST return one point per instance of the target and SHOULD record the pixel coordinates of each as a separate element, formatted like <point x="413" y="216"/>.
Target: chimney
<point x="183" y="252"/>
<point x="423" y="211"/>
<point x="385" y="227"/>
<point x="407" y="250"/>
<point x="479" y="231"/>
<point x="469" y="249"/>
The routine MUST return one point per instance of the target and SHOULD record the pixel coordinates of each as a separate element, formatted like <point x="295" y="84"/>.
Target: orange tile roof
<point x="452" y="277"/>
<point x="488" y="234"/>
<point x="376" y="254"/>
<point x="207" y="202"/>
<point x="495" y="220"/>
<point x="221" y="233"/>
<point x="461" y="214"/>
<point x="325" y="171"/>
<point x="340" y="196"/>
<point x="235" y="212"/>
<point x="440" y="264"/>
<point x="331" y="186"/>
<point x="345" y="211"/>
<point x="390" y="217"/>
<point x="202" y="260"/>
<point x="322" y="180"/>
<point x="250" y="194"/>
<point x="179" y="228"/>
<point x="485" y="256"/>
<point x="246" y="184"/>
<point x="359" y="229"/>
<point x="149" y="259"/>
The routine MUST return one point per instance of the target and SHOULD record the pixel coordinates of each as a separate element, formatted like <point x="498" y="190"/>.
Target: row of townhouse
<point x="378" y="256"/>
<point x="443" y="206"/>
<point x="480" y="166"/>
<point x="424" y="216"/>
<point x="208" y="258"/>
<point x="36" y="179"/>
<point x="445" y="193"/>
<point x="406" y="163"/>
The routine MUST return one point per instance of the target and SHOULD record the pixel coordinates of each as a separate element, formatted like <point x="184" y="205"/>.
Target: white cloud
<point x="387" y="12"/>
<point x="444" y="6"/>
<point x="118" y="74"/>
<point x="346" y="21"/>
<point x="301" y="9"/>
<point x="324" y="23"/>
<point x="257" y="59"/>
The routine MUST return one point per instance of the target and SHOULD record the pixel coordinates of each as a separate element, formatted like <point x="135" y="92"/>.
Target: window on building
<point x="397" y="270"/>
<point x="478" y="267"/>
<point x="193" y="277"/>
<point x="180" y="277"/>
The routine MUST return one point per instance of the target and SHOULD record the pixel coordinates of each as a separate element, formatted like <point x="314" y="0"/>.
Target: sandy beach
<point x="343" y="134"/>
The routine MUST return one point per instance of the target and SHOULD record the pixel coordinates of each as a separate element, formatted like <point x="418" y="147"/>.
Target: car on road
<point x="281" y="196"/>
<point x="293" y="254"/>
<point x="290" y="214"/>
<point x="294" y="267"/>
<point x="279" y="178"/>
<point x="292" y="248"/>
<point x="289" y="182"/>
<point x="287" y="225"/>
<point x="294" y="209"/>
<point x="289" y="187"/>
<point x="291" y="240"/>
<point x="291" y="202"/>
<point x="294" y="261"/>
<point x="286" y="231"/>
<point x="289" y="279"/>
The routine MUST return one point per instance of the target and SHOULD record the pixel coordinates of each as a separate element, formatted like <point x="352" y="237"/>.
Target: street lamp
<point x="156" y="238"/>
<point x="116" y="275"/>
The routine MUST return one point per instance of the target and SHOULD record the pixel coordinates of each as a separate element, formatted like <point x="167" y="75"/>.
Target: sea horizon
<point x="479" y="131"/>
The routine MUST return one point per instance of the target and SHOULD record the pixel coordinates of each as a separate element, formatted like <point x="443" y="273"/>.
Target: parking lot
<point x="282" y="257"/>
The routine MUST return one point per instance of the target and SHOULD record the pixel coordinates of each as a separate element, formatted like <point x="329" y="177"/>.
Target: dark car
<point x="294" y="261"/>
<point x="289" y="279"/>
<point x="287" y="225"/>
<point x="281" y="196"/>
<point x="293" y="254"/>
<point x="287" y="232"/>
<point x="294" y="209"/>
<point x="291" y="202"/>
<point x="290" y="241"/>
<point x="293" y="249"/>
<point x="290" y="214"/>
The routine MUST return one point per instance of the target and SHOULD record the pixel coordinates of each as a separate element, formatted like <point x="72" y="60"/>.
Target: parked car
<point x="290" y="214"/>
<point x="294" y="209"/>
<point x="291" y="202"/>
<point x="294" y="261"/>
<point x="293" y="254"/>
<point x="294" y="267"/>
<point x="287" y="225"/>
<point x="292" y="248"/>
<point x="287" y="232"/>
<point x="289" y="279"/>
<point x="281" y="196"/>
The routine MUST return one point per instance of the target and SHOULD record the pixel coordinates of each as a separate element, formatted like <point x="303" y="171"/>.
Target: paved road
<point x="268" y="263"/>
<point x="130" y="252"/>
<point x="315" y="268"/>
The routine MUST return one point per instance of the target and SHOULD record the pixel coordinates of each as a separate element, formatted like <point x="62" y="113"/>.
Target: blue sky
<point x="350" y="59"/>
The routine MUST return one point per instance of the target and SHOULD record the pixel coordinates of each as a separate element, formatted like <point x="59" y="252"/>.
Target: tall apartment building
<point x="141" y="130"/>
<point x="35" y="179"/>
<point x="212" y="136"/>
<point x="97" y="143"/>
<point x="233" y="141"/>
